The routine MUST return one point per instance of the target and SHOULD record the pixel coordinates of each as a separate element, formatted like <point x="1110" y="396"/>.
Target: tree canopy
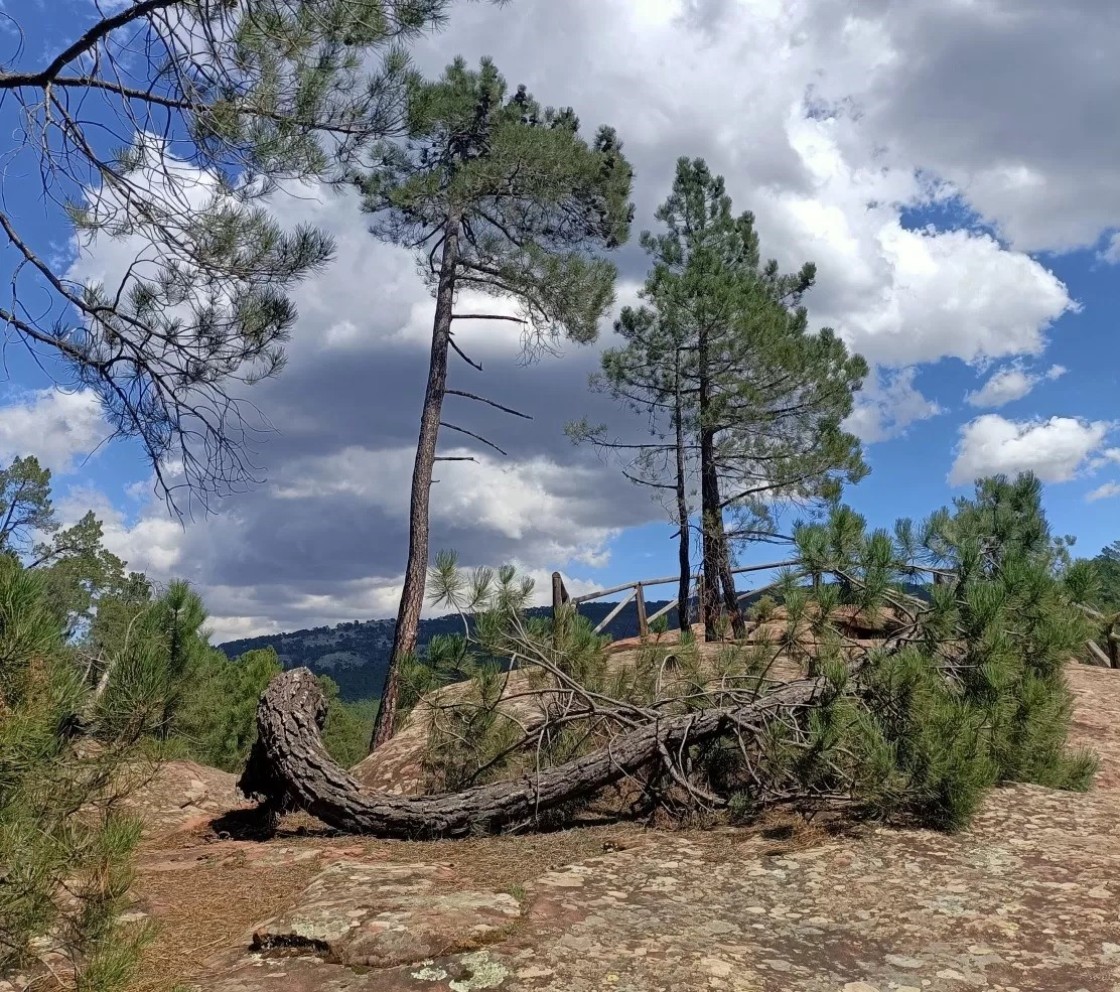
<point x="736" y="389"/>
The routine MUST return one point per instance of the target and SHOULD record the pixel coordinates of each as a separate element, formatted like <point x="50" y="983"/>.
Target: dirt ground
<point x="1025" y="901"/>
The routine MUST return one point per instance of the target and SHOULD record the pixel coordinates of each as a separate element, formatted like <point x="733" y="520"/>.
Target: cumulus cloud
<point x="980" y="94"/>
<point x="1055" y="449"/>
<point x="887" y="405"/>
<point x="1010" y="383"/>
<point x="59" y="428"/>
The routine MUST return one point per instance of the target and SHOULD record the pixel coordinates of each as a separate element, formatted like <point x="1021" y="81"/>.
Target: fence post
<point x="559" y="593"/>
<point x="559" y="598"/>
<point x="640" y="599"/>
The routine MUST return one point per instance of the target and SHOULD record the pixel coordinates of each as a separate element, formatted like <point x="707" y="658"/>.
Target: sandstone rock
<point x="381" y="916"/>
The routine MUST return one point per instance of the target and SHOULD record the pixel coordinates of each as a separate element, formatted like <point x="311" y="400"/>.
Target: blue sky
<point x="949" y="167"/>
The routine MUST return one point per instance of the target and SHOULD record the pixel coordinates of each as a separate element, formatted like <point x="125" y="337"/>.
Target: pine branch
<point x="488" y="316"/>
<point x="482" y="399"/>
<point x="462" y="355"/>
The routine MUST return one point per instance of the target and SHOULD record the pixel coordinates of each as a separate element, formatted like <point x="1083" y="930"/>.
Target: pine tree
<point x="720" y="352"/>
<point x="215" y="715"/>
<point x="75" y="568"/>
<point x="65" y="845"/>
<point x="145" y="677"/>
<point x="500" y="196"/>
<point x="218" y="102"/>
<point x="647" y="376"/>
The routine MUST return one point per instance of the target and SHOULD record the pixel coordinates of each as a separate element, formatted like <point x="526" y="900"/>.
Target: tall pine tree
<point x="720" y="350"/>
<point x="500" y="196"/>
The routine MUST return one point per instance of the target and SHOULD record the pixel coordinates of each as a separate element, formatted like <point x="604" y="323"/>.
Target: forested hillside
<point x="356" y="654"/>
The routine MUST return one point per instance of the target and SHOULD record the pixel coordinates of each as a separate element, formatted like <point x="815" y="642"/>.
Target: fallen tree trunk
<point x="289" y="768"/>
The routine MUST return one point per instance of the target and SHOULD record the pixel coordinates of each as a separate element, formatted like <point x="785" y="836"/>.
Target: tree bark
<point x="727" y="580"/>
<point x="684" y="613"/>
<point x="709" y="493"/>
<point x="717" y="558"/>
<point x="289" y="768"/>
<point x="416" y="569"/>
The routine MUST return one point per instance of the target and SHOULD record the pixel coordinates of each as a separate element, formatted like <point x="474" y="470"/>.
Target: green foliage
<point x="956" y="691"/>
<point x="215" y="721"/>
<point x="976" y="694"/>
<point x="472" y="739"/>
<point x="266" y="91"/>
<point x="76" y="570"/>
<point x="772" y="394"/>
<point x="735" y="391"/>
<point x="527" y="200"/>
<point x="144" y="679"/>
<point x="65" y="845"/>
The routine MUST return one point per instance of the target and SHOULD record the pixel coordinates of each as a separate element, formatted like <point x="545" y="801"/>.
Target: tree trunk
<point x="727" y="580"/>
<point x="416" y="569"/>
<point x="289" y="768"/>
<point x="709" y="494"/>
<point x="684" y="613"/>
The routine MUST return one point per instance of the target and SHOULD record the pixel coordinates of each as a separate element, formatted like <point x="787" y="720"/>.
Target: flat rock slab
<point x="380" y="916"/>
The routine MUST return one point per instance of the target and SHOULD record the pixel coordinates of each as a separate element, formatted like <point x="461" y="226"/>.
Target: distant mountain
<point x="356" y="654"/>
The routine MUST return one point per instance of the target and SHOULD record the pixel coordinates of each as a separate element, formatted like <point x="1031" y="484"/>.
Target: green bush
<point x="216" y="720"/>
<point x="65" y="847"/>
<point x="966" y="692"/>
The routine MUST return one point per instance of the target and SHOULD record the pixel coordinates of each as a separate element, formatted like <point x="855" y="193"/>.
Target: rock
<point x="901" y="961"/>
<point x="380" y="916"/>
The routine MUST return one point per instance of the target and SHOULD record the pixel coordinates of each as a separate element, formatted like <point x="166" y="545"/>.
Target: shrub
<point x="65" y="846"/>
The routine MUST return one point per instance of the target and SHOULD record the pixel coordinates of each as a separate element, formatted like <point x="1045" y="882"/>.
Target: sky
<point x="949" y="165"/>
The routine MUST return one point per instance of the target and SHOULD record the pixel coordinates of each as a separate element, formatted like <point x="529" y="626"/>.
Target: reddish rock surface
<point x="1027" y="900"/>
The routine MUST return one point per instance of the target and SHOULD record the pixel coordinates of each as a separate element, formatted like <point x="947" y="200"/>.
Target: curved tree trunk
<point x="289" y="768"/>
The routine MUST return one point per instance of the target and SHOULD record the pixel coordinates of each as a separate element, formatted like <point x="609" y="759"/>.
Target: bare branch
<point x="482" y="399"/>
<point x="477" y="437"/>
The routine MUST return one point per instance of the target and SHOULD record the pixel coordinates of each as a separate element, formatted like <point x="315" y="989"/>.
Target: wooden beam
<point x="615" y="612"/>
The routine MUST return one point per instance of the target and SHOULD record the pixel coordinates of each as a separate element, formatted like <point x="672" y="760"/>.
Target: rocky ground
<point x="1027" y="900"/>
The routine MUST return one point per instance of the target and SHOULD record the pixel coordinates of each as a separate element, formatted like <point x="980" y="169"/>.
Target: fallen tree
<point x="290" y="769"/>
<point x="956" y="690"/>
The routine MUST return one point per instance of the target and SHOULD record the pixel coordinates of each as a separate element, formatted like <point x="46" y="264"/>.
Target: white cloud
<point x="59" y="428"/>
<point x="1010" y="383"/>
<point x="1111" y="251"/>
<point x="1107" y="491"/>
<point x="887" y="405"/>
<point x="1055" y="449"/>
<point x="980" y="95"/>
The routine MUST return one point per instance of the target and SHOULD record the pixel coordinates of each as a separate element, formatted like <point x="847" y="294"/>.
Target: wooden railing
<point x="1109" y="658"/>
<point x="637" y="594"/>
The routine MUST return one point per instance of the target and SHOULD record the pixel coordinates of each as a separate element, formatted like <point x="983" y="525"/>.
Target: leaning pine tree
<point x="500" y="197"/>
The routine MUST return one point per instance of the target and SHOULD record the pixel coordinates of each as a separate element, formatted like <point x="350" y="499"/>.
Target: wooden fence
<point x="1109" y="657"/>
<point x="637" y="594"/>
